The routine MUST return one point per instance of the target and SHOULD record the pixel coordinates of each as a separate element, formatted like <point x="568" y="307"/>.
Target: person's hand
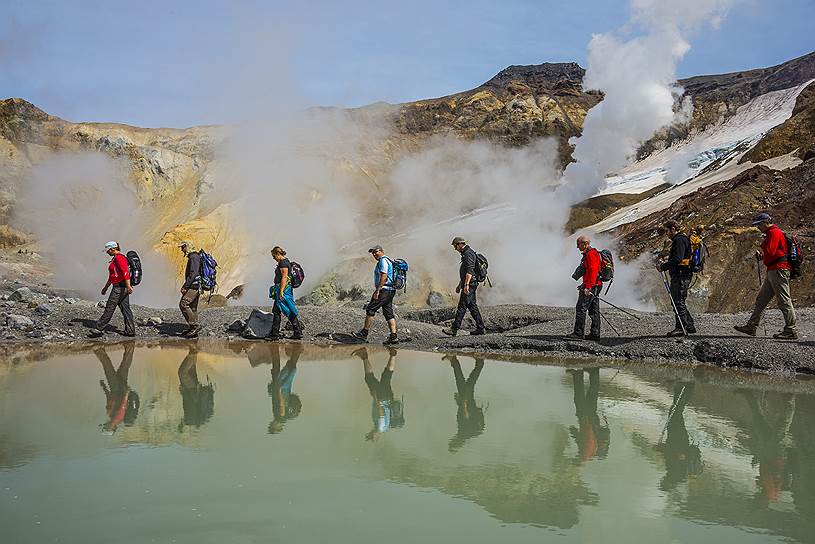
<point x="466" y="289"/>
<point x="458" y="288"/>
<point x="183" y="291"/>
<point x="376" y="295"/>
<point x="104" y="290"/>
<point x="587" y="292"/>
<point x="129" y="289"/>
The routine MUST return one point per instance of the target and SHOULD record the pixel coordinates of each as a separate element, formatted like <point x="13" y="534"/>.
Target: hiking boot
<point x="297" y="326"/>
<point x="574" y="336"/>
<point x="786" y="335"/>
<point x="675" y="332"/>
<point x="594" y="337"/>
<point x="129" y="334"/>
<point x="274" y="336"/>
<point x="192" y="332"/>
<point x="746" y="329"/>
<point x="450" y="332"/>
<point x="691" y="330"/>
<point x="95" y="333"/>
<point x="392" y="339"/>
<point x="361" y="335"/>
<point x="478" y="332"/>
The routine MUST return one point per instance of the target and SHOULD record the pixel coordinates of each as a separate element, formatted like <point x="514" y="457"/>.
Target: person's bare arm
<point x="383" y="280"/>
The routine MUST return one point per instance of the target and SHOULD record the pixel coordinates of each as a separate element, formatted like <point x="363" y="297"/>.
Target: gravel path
<point x="512" y="330"/>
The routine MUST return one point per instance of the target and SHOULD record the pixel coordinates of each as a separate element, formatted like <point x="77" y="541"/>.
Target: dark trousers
<point x="468" y="302"/>
<point x="680" y="283"/>
<point x="590" y="304"/>
<point x="118" y="298"/>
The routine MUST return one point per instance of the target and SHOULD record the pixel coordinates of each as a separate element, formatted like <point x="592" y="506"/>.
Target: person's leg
<point x="461" y="310"/>
<point x="110" y="307"/>
<point x="781" y="284"/>
<point x="683" y="292"/>
<point x="390" y="317"/>
<point x="676" y="295"/>
<point x="274" y="334"/>
<point x="594" y="312"/>
<point x="186" y="307"/>
<point x="472" y="305"/>
<point x="580" y="314"/>
<point x="370" y="311"/>
<point x="127" y="313"/>
<point x="765" y="295"/>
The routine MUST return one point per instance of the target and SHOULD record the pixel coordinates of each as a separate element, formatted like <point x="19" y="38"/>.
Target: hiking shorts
<point x="385" y="301"/>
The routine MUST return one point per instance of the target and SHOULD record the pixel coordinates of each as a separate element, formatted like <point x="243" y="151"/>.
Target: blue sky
<point x="180" y="63"/>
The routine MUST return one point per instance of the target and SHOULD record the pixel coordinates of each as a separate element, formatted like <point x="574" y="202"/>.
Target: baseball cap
<point x="762" y="218"/>
<point x="183" y="243"/>
<point x="111" y="245"/>
<point x="459" y="240"/>
<point x="375" y="249"/>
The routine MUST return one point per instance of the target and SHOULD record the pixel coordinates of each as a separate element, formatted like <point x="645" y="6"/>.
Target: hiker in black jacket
<point x="678" y="267"/>
<point x="191" y="290"/>
<point x="466" y="287"/>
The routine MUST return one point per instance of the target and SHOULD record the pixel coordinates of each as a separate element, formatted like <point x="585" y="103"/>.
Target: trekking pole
<point x="604" y="317"/>
<point x="673" y="304"/>
<point x="618" y="308"/>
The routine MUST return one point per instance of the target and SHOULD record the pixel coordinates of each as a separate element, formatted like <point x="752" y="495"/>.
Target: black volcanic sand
<point x="518" y="330"/>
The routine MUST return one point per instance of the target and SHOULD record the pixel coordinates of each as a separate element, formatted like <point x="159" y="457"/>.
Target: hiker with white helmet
<point x="119" y="282"/>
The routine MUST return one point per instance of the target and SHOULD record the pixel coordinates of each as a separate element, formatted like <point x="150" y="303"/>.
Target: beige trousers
<point x="776" y="284"/>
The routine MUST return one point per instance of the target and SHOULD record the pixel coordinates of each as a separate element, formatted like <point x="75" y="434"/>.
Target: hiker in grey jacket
<point x="191" y="290"/>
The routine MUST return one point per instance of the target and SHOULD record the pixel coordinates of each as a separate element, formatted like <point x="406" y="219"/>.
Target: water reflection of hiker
<point x="283" y="295"/>
<point x="285" y="404"/>
<point x="386" y="411"/>
<point x="588" y="298"/>
<point x="191" y="289"/>
<point x="197" y="399"/>
<point x="771" y="441"/>
<point x="469" y="415"/>
<point x="682" y="458"/>
<point x="121" y="402"/>
<point x="591" y="436"/>
<point x="120" y="291"/>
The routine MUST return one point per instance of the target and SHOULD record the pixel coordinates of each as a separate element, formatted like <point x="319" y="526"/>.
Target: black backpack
<point x="134" y="264"/>
<point x="481" y="268"/>
<point x="297" y="274"/>
<point x="794" y="255"/>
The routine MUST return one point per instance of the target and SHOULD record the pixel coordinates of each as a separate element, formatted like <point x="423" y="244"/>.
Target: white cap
<point x="111" y="245"/>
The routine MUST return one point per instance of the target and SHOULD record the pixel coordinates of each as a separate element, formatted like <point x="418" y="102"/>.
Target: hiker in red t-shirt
<point x="776" y="284"/>
<point x="119" y="282"/>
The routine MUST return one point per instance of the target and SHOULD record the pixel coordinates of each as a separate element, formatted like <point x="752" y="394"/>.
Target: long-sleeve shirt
<point x="591" y="267"/>
<point x="677" y="262"/>
<point x="468" y="259"/>
<point x="774" y="249"/>
<point x="118" y="269"/>
<point x="193" y="270"/>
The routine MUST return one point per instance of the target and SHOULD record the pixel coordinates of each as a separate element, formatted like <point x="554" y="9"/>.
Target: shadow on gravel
<point x="87" y="323"/>
<point x="171" y="329"/>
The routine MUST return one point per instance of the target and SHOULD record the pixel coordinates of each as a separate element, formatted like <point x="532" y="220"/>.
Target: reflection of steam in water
<point x="121" y="403"/>
<point x="197" y="399"/>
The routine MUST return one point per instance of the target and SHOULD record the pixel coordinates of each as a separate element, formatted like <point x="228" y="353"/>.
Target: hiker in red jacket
<point x="119" y="282"/>
<point x="776" y="284"/>
<point x="589" y="291"/>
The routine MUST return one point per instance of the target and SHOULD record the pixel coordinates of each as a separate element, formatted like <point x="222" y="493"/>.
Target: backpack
<point x="134" y="266"/>
<point x="297" y="275"/>
<point x="400" y="270"/>
<point x="698" y="253"/>
<point x="794" y="255"/>
<point x="606" y="267"/>
<point x="208" y="271"/>
<point x="481" y="268"/>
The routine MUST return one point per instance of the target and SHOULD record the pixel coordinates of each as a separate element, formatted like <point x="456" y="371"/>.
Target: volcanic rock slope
<point x="173" y="168"/>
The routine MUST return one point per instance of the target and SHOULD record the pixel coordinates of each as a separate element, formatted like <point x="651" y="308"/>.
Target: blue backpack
<point x="400" y="270"/>
<point x="208" y="271"/>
